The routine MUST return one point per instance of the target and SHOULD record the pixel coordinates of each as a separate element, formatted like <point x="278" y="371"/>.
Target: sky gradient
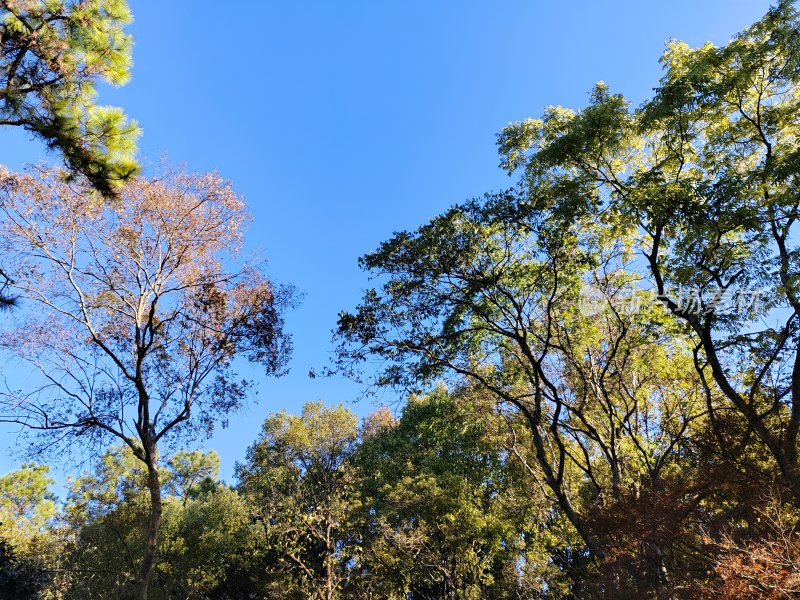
<point x="342" y="122"/>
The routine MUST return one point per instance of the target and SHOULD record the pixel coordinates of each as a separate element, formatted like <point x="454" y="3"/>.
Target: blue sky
<point x="342" y="122"/>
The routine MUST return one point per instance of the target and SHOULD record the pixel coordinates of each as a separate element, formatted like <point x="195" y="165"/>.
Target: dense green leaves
<point x="299" y="480"/>
<point x="26" y="505"/>
<point x="52" y="56"/>
<point x="447" y="511"/>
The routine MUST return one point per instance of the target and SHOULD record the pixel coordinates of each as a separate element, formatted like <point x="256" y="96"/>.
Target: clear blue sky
<point x="342" y="122"/>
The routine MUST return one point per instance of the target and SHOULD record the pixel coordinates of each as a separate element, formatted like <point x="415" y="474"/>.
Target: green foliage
<point x="447" y="513"/>
<point x="52" y="55"/>
<point x="193" y="472"/>
<point x="690" y="198"/>
<point x="104" y="515"/>
<point x="299" y="481"/>
<point x="207" y="540"/>
<point x="702" y="180"/>
<point x="205" y="525"/>
<point x="26" y="505"/>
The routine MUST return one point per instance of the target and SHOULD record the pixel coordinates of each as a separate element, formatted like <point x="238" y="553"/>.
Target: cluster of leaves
<point x="52" y="55"/>
<point x="140" y="307"/>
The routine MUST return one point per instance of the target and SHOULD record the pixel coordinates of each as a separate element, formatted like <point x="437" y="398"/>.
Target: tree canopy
<point x="632" y="297"/>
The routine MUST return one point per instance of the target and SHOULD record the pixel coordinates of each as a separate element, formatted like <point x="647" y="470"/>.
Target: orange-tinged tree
<point x="133" y="313"/>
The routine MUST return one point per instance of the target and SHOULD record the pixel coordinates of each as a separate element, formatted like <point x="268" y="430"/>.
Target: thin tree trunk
<point x="556" y="485"/>
<point x="146" y="568"/>
<point x="330" y="551"/>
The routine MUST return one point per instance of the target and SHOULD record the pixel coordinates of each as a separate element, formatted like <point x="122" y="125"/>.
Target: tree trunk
<point x="330" y="548"/>
<point x="146" y="568"/>
<point x="556" y="486"/>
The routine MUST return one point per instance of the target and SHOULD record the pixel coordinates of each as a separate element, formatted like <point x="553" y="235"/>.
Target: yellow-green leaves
<point x="26" y="505"/>
<point x="53" y="56"/>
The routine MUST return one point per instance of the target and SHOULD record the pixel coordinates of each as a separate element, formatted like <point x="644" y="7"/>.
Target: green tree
<point x="209" y="545"/>
<point x="299" y="479"/>
<point x="192" y="472"/>
<point x="701" y="181"/>
<point x="52" y="55"/>
<point x="691" y="198"/>
<point x="447" y="511"/>
<point x="104" y="515"/>
<point x="482" y="293"/>
<point x="206" y="540"/>
<point x="26" y="505"/>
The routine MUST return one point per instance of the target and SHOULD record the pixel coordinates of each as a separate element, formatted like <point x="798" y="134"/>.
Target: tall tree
<point x="28" y="512"/>
<point x="702" y="181"/>
<point x="694" y="194"/>
<point x="52" y="55"/>
<point x="26" y="505"/>
<point x="137" y="310"/>
<point x="489" y="292"/>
